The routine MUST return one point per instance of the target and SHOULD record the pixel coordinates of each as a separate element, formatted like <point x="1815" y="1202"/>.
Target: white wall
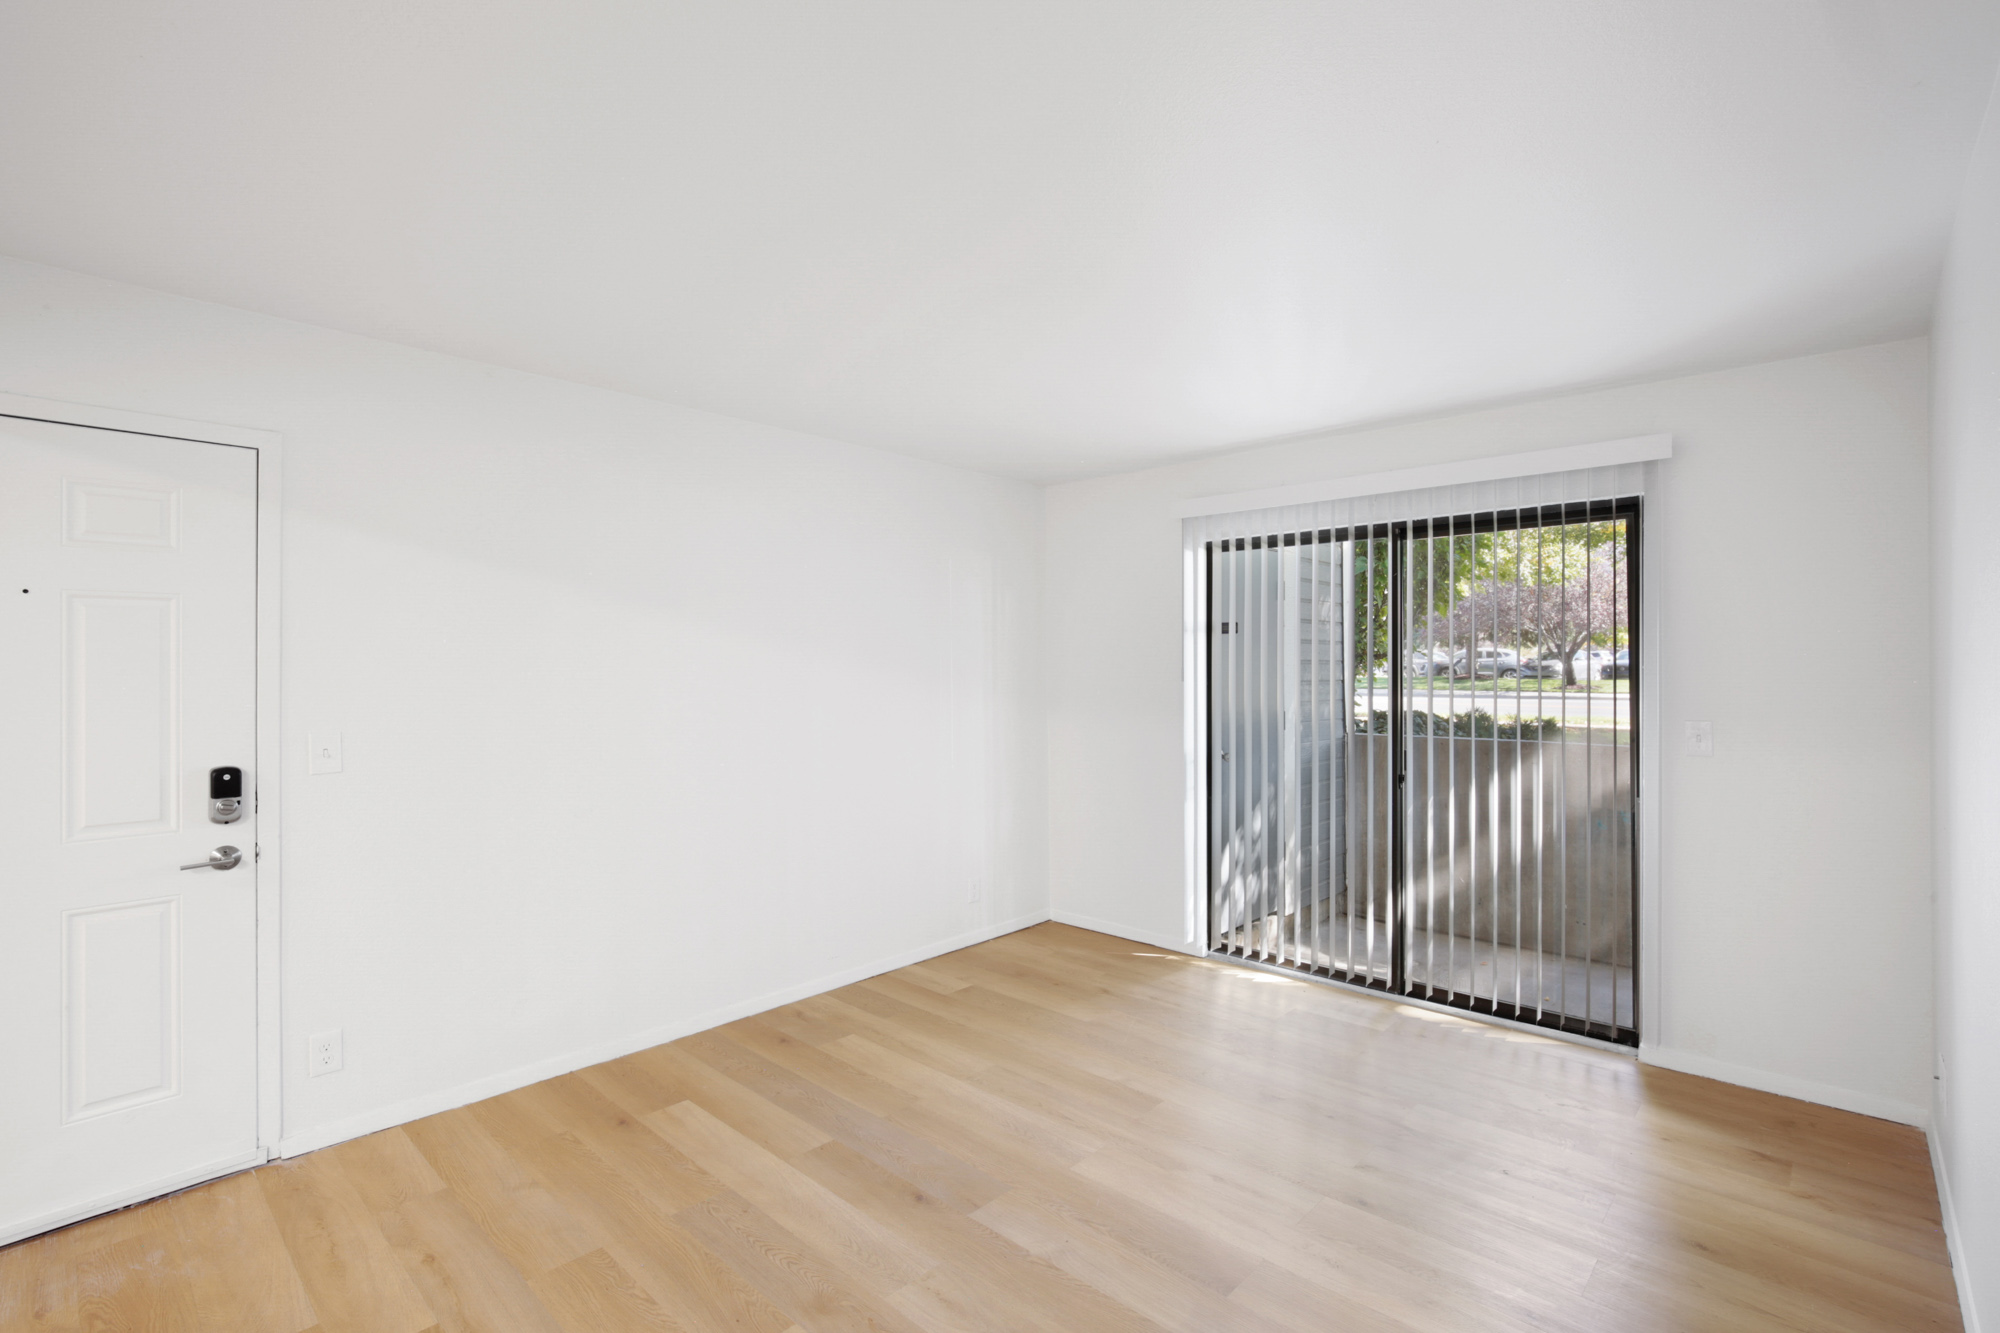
<point x="650" y="715"/>
<point x="1794" y="902"/>
<point x="1966" y="1133"/>
<point x="653" y="715"/>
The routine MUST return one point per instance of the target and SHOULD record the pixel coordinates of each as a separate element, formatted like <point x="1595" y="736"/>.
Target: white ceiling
<point x="1041" y="237"/>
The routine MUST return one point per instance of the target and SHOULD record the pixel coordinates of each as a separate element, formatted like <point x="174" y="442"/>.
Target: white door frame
<point x="269" y="447"/>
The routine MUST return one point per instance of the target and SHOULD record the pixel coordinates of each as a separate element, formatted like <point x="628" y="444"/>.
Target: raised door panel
<point x="121" y="716"/>
<point x="121" y="1006"/>
<point x="98" y="514"/>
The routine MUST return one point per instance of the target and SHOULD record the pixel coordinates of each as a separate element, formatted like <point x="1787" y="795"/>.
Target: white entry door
<point x="127" y="673"/>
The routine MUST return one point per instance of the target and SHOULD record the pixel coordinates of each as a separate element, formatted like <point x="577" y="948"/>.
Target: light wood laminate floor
<point x="1060" y="1132"/>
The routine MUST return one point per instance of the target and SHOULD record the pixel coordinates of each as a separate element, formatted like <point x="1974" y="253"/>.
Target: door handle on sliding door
<point x="222" y="858"/>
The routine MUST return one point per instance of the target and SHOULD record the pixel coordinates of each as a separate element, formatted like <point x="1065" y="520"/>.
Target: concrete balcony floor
<point x="1597" y="990"/>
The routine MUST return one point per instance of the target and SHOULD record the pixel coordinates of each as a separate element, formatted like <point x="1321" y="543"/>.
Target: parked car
<point x="1433" y="663"/>
<point x="1590" y="661"/>
<point x="1484" y="662"/>
<point x="1618" y="668"/>
<point x="1505" y="664"/>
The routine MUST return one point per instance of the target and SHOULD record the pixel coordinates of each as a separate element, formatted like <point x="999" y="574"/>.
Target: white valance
<point x="1609" y="469"/>
<point x="1467" y="498"/>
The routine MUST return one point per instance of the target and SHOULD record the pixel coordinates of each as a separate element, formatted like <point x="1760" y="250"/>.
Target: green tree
<point x="1553" y="589"/>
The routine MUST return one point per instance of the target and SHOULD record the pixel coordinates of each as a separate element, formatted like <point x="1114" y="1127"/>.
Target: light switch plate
<point x="1699" y="739"/>
<point x="323" y="752"/>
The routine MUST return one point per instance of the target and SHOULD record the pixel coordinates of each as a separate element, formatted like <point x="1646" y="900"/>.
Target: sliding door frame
<point x="1642" y="714"/>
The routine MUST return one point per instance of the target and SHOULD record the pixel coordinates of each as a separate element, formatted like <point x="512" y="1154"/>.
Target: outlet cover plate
<point x="323" y="1054"/>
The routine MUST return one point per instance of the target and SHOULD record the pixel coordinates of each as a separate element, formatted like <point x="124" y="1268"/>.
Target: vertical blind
<point x="1422" y="740"/>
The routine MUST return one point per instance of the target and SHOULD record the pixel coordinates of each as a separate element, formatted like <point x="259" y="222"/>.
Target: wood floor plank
<point x="985" y="1280"/>
<point x="467" y="1281"/>
<point x="997" y="1146"/>
<point x="754" y="1115"/>
<point x="521" y="1217"/>
<point x="351" y="1274"/>
<point x="1035" y="1058"/>
<point x="1046" y="1138"/>
<point x="138" y="1283"/>
<point x="803" y="1022"/>
<point x="789" y="1272"/>
<point x="1122" y="1272"/>
<point x="593" y="1294"/>
<point x="814" y="1065"/>
<point x="1051" y="1132"/>
<point x="130" y="1262"/>
<point x="1835" y="1202"/>
<point x="687" y="1281"/>
<point x="921" y="975"/>
<point x="868" y="1251"/>
<point x="622" y="1139"/>
<point x="243" y="1278"/>
<point x="1423" y="1287"/>
<point x="38" y="1283"/>
<point x="634" y="1084"/>
<point x="1704" y="1293"/>
<point x="385" y="1169"/>
<point x="948" y="1054"/>
<point x="1293" y="1302"/>
<point x="874" y="1136"/>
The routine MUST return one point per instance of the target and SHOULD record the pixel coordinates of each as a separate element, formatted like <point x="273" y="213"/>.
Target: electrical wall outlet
<point x="323" y="751"/>
<point x="1699" y="739"/>
<point x="323" y="1053"/>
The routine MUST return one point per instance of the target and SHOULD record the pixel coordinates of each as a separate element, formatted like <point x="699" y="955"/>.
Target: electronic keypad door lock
<point x="225" y="795"/>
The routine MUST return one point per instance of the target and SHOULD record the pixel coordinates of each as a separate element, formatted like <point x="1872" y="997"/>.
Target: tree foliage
<point x="1550" y="591"/>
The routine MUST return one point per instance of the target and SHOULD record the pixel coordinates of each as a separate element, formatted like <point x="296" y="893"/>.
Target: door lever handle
<point x="222" y="858"/>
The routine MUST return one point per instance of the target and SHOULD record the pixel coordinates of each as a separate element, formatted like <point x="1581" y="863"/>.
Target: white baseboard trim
<point x="416" y="1108"/>
<point x="62" y="1217"/>
<point x="1125" y="932"/>
<point x="1961" y="1271"/>
<point x="1785" y="1085"/>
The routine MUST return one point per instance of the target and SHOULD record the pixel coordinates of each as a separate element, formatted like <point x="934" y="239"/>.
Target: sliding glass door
<point x="1421" y="758"/>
